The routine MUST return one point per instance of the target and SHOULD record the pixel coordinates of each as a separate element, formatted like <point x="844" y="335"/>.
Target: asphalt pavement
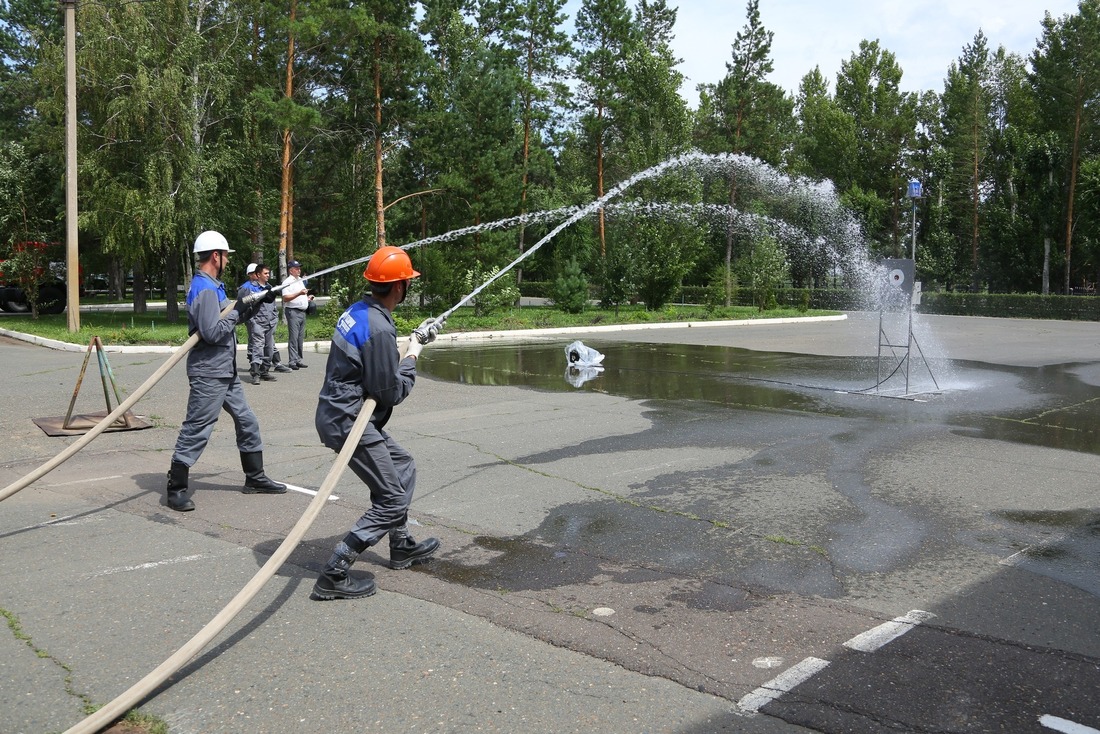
<point x="717" y="533"/>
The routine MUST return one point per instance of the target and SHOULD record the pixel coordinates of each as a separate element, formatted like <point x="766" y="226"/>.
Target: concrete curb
<point x="322" y="347"/>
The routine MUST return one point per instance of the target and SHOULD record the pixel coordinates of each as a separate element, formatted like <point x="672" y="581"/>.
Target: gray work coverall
<point x="212" y="374"/>
<point x="261" y="329"/>
<point x="364" y="362"/>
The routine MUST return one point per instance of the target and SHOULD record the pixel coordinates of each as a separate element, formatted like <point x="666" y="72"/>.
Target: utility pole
<point x="72" y="254"/>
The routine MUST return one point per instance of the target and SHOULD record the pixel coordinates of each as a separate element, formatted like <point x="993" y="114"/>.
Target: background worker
<point x="264" y="321"/>
<point x="296" y="300"/>
<point x="213" y="380"/>
<point x="364" y="362"/>
<point x="253" y="330"/>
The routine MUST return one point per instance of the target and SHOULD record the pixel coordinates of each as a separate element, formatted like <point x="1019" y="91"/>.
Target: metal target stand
<point x="75" y="425"/>
<point x="897" y="296"/>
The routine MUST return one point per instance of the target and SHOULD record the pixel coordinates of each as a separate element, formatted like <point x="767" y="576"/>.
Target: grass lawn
<point x="154" y="328"/>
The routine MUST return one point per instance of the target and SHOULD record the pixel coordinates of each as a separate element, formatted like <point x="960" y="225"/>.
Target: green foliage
<point x="662" y="256"/>
<point x="804" y="297"/>
<point x="21" y="197"/>
<point x="502" y="293"/>
<point x="722" y="281"/>
<point x="1012" y="305"/>
<point x="764" y="271"/>
<point x="27" y="266"/>
<point x="570" y="292"/>
<point x="339" y="299"/>
<point x="486" y="111"/>
<point x="744" y="112"/>
<point x="616" y="285"/>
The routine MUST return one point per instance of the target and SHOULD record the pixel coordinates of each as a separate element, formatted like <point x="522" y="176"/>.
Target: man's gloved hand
<point x="244" y="310"/>
<point x="415" y="347"/>
<point x="428" y="330"/>
<point x="269" y="295"/>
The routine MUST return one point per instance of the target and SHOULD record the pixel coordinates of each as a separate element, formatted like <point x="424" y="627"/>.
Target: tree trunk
<point x="379" y="193"/>
<point x="599" y="181"/>
<point x="976" y="173"/>
<point x="1074" y="156"/>
<point x="140" y="305"/>
<point x="171" y="284"/>
<point x="527" y="104"/>
<point x="117" y="278"/>
<point x="1046" y="265"/>
<point x="290" y="219"/>
<point x="729" y="243"/>
<point x="284" y="212"/>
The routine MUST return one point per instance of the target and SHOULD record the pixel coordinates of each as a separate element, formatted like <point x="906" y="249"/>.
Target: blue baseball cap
<point x="293" y="264"/>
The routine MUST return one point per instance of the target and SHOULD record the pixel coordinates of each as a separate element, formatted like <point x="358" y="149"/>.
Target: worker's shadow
<point x="199" y="483"/>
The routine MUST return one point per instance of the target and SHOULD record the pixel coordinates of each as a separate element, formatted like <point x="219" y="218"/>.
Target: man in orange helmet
<point x="364" y="362"/>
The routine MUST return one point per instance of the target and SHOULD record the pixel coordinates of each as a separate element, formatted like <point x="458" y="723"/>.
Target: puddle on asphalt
<point x="1048" y="406"/>
<point x="1066" y="545"/>
<point x="725" y="376"/>
<point x="1063" y="519"/>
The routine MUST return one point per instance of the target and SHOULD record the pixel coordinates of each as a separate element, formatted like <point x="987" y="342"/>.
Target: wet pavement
<point x="714" y="508"/>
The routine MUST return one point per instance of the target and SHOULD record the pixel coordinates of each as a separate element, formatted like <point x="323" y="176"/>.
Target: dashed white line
<point x="1065" y="725"/>
<point x="782" y="683"/>
<point x="875" y="638"/>
<point x="310" y="492"/>
<point x="87" y="481"/>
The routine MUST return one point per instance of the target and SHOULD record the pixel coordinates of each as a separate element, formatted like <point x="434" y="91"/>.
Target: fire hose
<point x="137" y="692"/>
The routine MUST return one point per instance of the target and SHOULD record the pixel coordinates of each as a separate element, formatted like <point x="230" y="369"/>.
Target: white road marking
<point x="1065" y="725"/>
<point x="768" y="662"/>
<point x="74" y="520"/>
<point x="310" y="492"/>
<point x="87" y="481"/>
<point x="873" y="639"/>
<point x="782" y="683"/>
<point x="153" y="564"/>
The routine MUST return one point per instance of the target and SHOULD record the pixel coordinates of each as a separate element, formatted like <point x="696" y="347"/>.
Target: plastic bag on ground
<point x="581" y="356"/>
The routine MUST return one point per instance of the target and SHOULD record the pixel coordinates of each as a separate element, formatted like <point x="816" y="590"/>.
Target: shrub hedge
<point x="1003" y="305"/>
<point x="1012" y="305"/>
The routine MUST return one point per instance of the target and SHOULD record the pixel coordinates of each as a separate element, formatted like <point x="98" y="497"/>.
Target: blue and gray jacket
<point x="363" y="362"/>
<point x="264" y="315"/>
<point x="215" y="354"/>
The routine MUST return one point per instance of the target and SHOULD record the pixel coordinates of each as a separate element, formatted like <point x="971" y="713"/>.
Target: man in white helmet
<point x="260" y="326"/>
<point x="213" y="379"/>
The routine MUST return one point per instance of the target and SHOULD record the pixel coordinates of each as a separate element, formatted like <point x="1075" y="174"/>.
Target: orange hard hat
<point x="389" y="264"/>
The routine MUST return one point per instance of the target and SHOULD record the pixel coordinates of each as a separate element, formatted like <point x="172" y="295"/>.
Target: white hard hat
<point x="211" y="240"/>
<point x="250" y="269"/>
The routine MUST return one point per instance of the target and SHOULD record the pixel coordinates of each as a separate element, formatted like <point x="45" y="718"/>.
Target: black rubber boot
<point x="336" y="583"/>
<point x="253" y="377"/>
<point x="255" y="481"/>
<point x="404" y="551"/>
<point x="177" y="488"/>
<point x="266" y="375"/>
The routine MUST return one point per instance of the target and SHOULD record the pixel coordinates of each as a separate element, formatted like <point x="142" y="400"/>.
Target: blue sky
<point x="924" y="35"/>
